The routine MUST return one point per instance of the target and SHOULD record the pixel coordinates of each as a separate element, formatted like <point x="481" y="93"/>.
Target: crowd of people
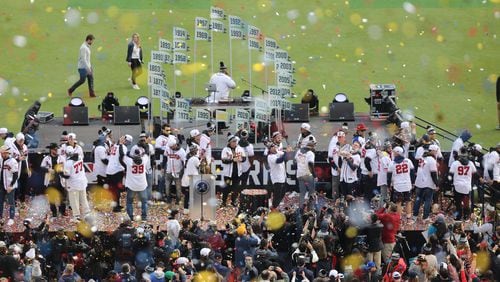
<point x="348" y="233"/>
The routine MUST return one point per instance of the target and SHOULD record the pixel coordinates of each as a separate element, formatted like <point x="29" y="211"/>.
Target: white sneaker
<point x="10" y="222"/>
<point x="136" y="87"/>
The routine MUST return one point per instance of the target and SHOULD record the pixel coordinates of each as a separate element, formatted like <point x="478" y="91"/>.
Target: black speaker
<point x="126" y="115"/>
<point x="76" y="116"/>
<point x="299" y="113"/>
<point x="341" y="112"/>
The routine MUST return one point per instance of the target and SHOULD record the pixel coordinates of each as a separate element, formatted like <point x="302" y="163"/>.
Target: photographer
<point x="245" y="244"/>
<point x="301" y="272"/>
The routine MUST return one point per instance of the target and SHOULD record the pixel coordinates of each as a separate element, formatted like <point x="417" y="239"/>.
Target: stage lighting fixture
<point x="76" y="102"/>
<point x="340" y="98"/>
<point x="143" y="104"/>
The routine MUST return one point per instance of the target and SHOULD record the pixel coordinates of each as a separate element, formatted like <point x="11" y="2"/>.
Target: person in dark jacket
<point x="373" y="234"/>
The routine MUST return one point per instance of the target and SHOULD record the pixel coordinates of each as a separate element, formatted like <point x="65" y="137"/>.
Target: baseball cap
<point x="143" y="135"/>
<point x="306" y="126"/>
<point x="395" y="256"/>
<point x="361" y="127"/>
<point x="433" y="147"/>
<point x="396" y="275"/>
<point x="204" y="252"/>
<point x="405" y="124"/>
<point x="19" y="136"/>
<point x="276" y="133"/>
<point x="4" y="148"/>
<point x="72" y="135"/>
<point x="478" y="147"/>
<point x="431" y="130"/>
<point x="4" y="130"/>
<point x="333" y="273"/>
<point x="194" y="133"/>
<point x="183" y="260"/>
<point x="52" y="146"/>
<point x="210" y="126"/>
<point x="129" y="138"/>
<point x="370" y="264"/>
<point x="2" y="244"/>
<point x="340" y="133"/>
<point x="172" y="142"/>
<point x="232" y="138"/>
<point x="398" y="150"/>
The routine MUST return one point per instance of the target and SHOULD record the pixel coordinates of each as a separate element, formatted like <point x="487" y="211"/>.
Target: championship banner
<point x="286" y="105"/>
<point x="242" y="115"/>
<point x="155" y="68"/>
<point x="281" y="55"/>
<point x="253" y="44"/>
<point x="283" y="66"/>
<point x="284" y="79"/>
<point x="253" y="32"/>
<point x="156" y="80"/>
<point x="182" y="105"/>
<point x="180" y="45"/>
<point x="165" y="105"/>
<point x="180" y="58"/>
<point x="221" y="115"/>
<point x="160" y="57"/>
<point x="261" y="116"/>
<point x="164" y="45"/>
<point x="274" y="91"/>
<point x="159" y="92"/>
<point x="270" y="44"/>
<point x="236" y="33"/>
<point x="216" y="13"/>
<point x="200" y="23"/>
<point x="285" y="92"/>
<point x="269" y="55"/>
<point x="275" y="103"/>
<point x="217" y="26"/>
<point x="235" y="22"/>
<point x="261" y="105"/>
<point x="202" y="114"/>
<point x="180" y="33"/>
<point x="181" y="116"/>
<point x="201" y="34"/>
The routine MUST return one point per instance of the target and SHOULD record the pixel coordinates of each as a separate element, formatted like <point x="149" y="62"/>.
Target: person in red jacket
<point x="391" y="221"/>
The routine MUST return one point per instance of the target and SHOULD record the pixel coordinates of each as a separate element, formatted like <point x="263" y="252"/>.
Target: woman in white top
<point x="134" y="59"/>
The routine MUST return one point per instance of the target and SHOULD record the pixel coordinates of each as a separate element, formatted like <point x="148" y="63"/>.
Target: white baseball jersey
<point x="385" y="162"/>
<point x="78" y="150"/>
<point x="489" y="161"/>
<point x="426" y="166"/>
<point x="462" y="176"/>
<point x="279" y="148"/>
<point x="419" y="153"/>
<point x="372" y="154"/>
<point x="245" y="166"/>
<point x="496" y="172"/>
<point x="457" y="144"/>
<point x="47" y="163"/>
<point x="192" y="168"/>
<point x="161" y="142"/>
<point x="8" y="167"/>
<point x="135" y="178"/>
<point x="76" y="172"/>
<point x="175" y="161"/>
<point x="227" y="154"/>
<point x="100" y="154"/>
<point x="333" y="153"/>
<point x="16" y="152"/>
<point x="205" y="149"/>
<point x="401" y="179"/>
<point x="348" y="175"/>
<point x="114" y="165"/>
<point x="302" y="141"/>
<point x="303" y="159"/>
<point x="277" y="171"/>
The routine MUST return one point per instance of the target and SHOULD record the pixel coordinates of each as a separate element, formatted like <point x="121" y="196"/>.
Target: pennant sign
<point x="283" y="66"/>
<point x="202" y="114"/>
<point x="164" y="45"/>
<point x="217" y="26"/>
<point x="160" y="57"/>
<point x="285" y="92"/>
<point x="274" y="91"/>
<point x="200" y="23"/>
<point x="285" y="79"/>
<point x="253" y="44"/>
<point x="155" y="68"/>
<point x="242" y="115"/>
<point x="236" y="33"/>
<point x="182" y="105"/>
<point x="180" y="33"/>
<point x="165" y="105"/>
<point x="201" y="34"/>
<point x="286" y="105"/>
<point x="156" y="80"/>
<point x="281" y="55"/>
<point x="181" y="116"/>
<point x="261" y="105"/>
<point x="235" y="21"/>
<point x="216" y="13"/>
<point x="253" y="32"/>
<point x="270" y="44"/>
<point x="180" y="58"/>
<point x="159" y="92"/>
<point x="261" y="116"/>
<point x="180" y="45"/>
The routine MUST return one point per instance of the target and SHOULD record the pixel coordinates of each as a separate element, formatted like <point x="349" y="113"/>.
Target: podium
<point x="202" y="201"/>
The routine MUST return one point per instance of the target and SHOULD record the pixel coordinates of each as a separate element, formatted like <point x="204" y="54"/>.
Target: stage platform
<point x="321" y="127"/>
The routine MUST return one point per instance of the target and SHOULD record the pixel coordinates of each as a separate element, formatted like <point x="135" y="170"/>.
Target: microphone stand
<point x="253" y="85"/>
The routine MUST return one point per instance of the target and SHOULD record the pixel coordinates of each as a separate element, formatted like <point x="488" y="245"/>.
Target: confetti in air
<point x="72" y="17"/>
<point x="20" y="41"/>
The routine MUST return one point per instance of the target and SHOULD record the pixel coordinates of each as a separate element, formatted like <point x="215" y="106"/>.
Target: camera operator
<point x="143" y="248"/>
<point x="301" y="272"/>
<point x="123" y="238"/>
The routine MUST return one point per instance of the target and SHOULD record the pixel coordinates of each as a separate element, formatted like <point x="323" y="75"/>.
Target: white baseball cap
<point x="433" y="147"/>
<point x="405" y="124"/>
<point x="194" y="133"/>
<point x="19" y="136"/>
<point x="72" y="135"/>
<point x="306" y="126"/>
<point x="478" y="147"/>
<point x="340" y="133"/>
<point x="4" y="130"/>
<point x="204" y="252"/>
<point x="333" y="273"/>
<point x="129" y="138"/>
<point x="171" y="141"/>
<point x="398" y="150"/>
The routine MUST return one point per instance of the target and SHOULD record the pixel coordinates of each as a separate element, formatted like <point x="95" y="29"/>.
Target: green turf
<point x="441" y="58"/>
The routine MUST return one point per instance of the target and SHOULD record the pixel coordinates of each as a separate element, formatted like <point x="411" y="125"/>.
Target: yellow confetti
<point x="258" y="67"/>
<point x="483" y="261"/>
<point x="112" y="11"/>
<point x="480" y="46"/>
<point x="440" y="38"/>
<point x="355" y="19"/>
<point x="358" y="51"/>
<point x="84" y="229"/>
<point x="392" y="27"/>
<point x="189" y="69"/>
<point x="49" y="9"/>
<point x="275" y="220"/>
<point x="128" y="22"/>
<point x="49" y="95"/>
<point x="351" y="232"/>
<point x="53" y="195"/>
<point x="99" y="49"/>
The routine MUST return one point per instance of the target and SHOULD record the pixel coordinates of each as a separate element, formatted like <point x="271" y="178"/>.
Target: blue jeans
<point x="10" y="199"/>
<point x="423" y="195"/>
<point x="83" y="75"/>
<point x="143" y="196"/>
<point x="306" y="184"/>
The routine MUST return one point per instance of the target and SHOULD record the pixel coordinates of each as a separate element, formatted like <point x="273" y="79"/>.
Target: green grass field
<point x="439" y="53"/>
